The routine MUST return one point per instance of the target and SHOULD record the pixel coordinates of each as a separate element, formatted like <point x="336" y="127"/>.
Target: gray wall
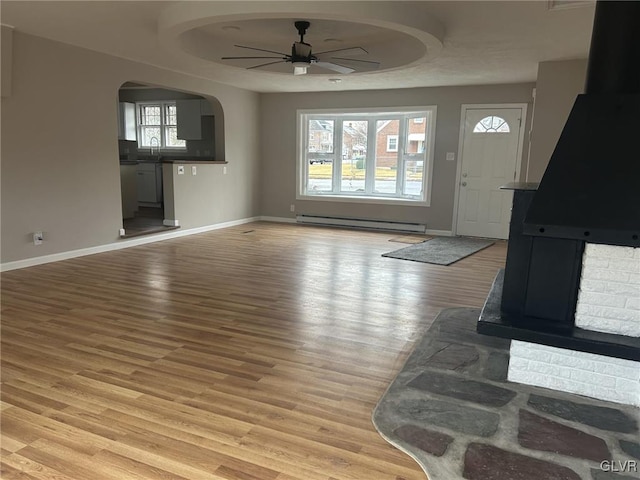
<point x="557" y="86"/>
<point x="60" y="166"/>
<point x="278" y="141"/>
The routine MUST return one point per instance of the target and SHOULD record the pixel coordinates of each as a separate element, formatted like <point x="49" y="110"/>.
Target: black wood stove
<point x="589" y="193"/>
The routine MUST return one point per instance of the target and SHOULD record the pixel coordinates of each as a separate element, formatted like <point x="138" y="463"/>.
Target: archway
<point x="158" y="125"/>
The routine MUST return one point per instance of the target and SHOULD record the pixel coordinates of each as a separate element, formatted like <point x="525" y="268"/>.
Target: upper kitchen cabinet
<point x="189" y="119"/>
<point x="126" y="121"/>
<point x="206" y="109"/>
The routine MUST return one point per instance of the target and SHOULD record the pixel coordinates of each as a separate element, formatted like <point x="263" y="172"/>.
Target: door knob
<point x="464" y="184"/>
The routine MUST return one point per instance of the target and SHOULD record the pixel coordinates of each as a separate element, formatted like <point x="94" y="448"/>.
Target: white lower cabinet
<point x="149" y="180"/>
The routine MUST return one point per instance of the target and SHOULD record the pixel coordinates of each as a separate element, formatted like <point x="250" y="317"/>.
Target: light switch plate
<point x="180" y="169"/>
<point x="194" y="170"/>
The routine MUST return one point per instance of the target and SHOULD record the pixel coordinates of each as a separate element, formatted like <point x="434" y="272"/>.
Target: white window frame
<point x="389" y="139"/>
<point x="406" y="114"/>
<point x="162" y="141"/>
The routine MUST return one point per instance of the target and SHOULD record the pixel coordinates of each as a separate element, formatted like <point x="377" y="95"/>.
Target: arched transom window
<point x="492" y="124"/>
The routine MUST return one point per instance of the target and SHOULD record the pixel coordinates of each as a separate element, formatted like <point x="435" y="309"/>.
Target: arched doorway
<point x="157" y="125"/>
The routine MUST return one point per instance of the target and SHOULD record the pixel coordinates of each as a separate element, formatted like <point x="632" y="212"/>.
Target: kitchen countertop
<point x="194" y="160"/>
<point x="173" y="160"/>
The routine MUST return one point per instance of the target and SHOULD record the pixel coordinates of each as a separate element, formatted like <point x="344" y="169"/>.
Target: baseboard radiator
<point x="360" y="223"/>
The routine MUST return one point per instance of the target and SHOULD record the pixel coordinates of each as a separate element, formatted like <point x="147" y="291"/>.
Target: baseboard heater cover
<point x="360" y="223"/>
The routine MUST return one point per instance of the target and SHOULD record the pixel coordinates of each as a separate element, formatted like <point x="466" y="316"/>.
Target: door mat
<point x="441" y="250"/>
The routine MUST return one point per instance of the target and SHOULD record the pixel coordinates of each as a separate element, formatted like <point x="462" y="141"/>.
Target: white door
<point x="489" y="159"/>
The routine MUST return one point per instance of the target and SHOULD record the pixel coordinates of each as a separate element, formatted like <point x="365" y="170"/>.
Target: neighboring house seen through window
<point x="367" y="156"/>
<point x="157" y="126"/>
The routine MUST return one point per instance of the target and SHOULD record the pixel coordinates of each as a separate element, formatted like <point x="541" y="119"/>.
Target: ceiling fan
<point x="301" y="57"/>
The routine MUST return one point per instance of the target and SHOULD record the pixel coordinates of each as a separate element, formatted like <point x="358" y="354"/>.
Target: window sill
<point x="406" y="202"/>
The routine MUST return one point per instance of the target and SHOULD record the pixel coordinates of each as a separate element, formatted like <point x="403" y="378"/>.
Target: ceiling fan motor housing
<point x="301" y="51"/>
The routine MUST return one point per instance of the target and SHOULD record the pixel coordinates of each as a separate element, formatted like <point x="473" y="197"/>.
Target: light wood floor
<point x="253" y="353"/>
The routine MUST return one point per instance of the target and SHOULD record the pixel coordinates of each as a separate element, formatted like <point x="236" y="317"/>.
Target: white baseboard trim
<point x="278" y="219"/>
<point x="439" y="233"/>
<point x="119" y="245"/>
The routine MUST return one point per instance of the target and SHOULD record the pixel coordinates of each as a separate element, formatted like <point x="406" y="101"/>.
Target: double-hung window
<point x="382" y="156"/>
<point x="157" y="126"/>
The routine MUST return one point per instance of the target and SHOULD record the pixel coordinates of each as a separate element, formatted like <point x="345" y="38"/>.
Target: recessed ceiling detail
<point x="368" y="44"/>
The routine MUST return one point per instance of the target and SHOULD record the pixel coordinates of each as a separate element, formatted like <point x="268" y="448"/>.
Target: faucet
<point x="157" y="145"/>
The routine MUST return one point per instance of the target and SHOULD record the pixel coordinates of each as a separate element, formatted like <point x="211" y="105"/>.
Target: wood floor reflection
<point x="255" y="352"/>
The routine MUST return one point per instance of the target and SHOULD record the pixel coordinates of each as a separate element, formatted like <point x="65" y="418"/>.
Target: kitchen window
<point x="368" y="156"/>
<point x="158" y="127"/>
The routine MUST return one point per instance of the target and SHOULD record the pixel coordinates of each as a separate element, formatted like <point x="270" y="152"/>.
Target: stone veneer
<point x="608" y="301"/>
<point x="452" y="409"/>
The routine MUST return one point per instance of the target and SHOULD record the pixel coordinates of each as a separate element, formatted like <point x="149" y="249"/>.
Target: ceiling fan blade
<point x="265" y="64"/>
<point x="347" y="51"/>
<point x="238" y="58"/>
<point x="335" y="67"/>
<point x="261" y="50"/>
<point x="356" y="60"/>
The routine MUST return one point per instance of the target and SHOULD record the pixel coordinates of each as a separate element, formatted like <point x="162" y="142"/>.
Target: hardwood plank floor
<point x="252" y="353"/>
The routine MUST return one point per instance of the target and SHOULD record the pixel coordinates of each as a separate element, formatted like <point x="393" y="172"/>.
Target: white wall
<point x="278" y="115"/>
<point x="60" y="166"/>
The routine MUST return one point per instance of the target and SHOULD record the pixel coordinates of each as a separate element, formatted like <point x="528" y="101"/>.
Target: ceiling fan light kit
<point x="300" y="68"/>
<point x="302" y="58"/>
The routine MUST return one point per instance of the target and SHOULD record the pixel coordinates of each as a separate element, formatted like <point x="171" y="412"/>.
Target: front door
<point x="489" y="158"/>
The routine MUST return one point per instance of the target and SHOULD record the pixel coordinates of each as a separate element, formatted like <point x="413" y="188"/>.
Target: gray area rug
<point x="441" y="250"/>
<point x="452" y="409"/>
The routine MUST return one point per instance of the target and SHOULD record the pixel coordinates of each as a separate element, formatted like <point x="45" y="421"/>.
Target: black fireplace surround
<point x="588" y="193"/>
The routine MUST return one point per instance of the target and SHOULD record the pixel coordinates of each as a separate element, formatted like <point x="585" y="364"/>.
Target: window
<point x="392" y="143"/>
<point x="491" y="124"/>
<point x="366" y="156"/>
<point x="158" y="126"/>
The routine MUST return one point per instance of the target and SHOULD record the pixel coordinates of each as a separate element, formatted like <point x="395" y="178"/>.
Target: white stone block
<point x="607" y="275"/>
<point x="603" y="299"/>
<point x="587" y="285"/>
<point x="609" y="251"/>
<point x="622" y="289"/>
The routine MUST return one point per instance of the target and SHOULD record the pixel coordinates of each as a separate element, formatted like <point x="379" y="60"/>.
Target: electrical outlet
<point x="122" y="233"/>
<point x="194" y="170"/>
<point x="224" y="170"/>
<point x="292" y="207"/>
<point x="180" y="169"/>
<point x="38" y="238"/>
<point x="451" y="156"/>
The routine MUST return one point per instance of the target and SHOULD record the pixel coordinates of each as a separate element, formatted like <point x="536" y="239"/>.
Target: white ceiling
<point x="420" y="43"/>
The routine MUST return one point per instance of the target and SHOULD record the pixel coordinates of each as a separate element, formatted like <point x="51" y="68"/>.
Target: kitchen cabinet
<point x="206" y="109"/>
<point x="149" y="183"/>
<point x="127" y="121"/>
<point x="189" y="119"/>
